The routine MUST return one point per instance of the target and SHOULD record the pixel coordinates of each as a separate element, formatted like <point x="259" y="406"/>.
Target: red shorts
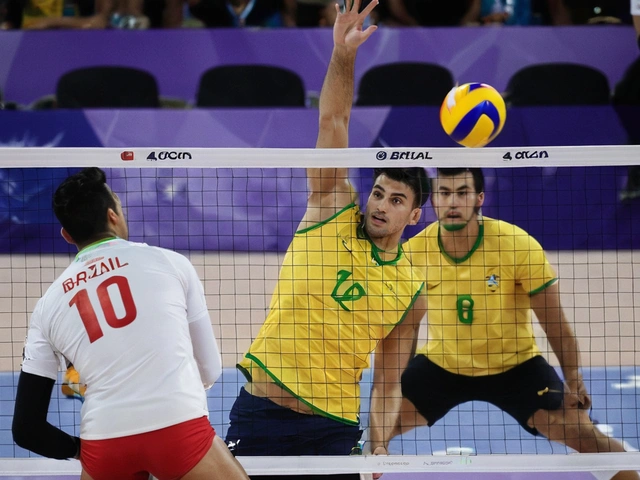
<point x="168" y="453"/>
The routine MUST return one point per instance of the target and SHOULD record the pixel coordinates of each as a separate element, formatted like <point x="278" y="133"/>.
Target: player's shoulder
<point x="151" y="254"/>
<point x="421" y="244"/>
<point x="509" y="235"/>
<point x="427" y="233"/>
<point x="346" y="217"/>
<point x="172" y="256"/>
<point x="494" y="226"/>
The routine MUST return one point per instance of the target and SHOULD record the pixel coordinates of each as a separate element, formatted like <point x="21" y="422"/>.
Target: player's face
<point x="390" y="208"/>
<point x="455" y="200"/>
<point x="122" y="229"/>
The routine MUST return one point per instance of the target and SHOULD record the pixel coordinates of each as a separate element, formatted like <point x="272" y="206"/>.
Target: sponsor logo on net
<point x="127" y="156"/>
<point x="403" y="155"/>
<point x="168" y="155"/>
<point x="525" y="155"/>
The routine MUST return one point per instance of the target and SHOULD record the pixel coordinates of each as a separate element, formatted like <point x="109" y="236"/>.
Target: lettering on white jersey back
<point x="93" y="268"/>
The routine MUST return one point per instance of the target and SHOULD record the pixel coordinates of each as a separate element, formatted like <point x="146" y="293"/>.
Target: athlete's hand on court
<point x="576" y="394"/>
<point x="379" y="451"/>
<point x="347" y="30"/>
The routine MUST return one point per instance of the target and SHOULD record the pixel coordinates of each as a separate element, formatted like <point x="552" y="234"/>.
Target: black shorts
<point x="258" y="426"/>
<point x="520" y="392"/>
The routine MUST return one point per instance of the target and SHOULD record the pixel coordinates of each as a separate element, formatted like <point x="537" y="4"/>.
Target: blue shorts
<point x="260" y="427"/>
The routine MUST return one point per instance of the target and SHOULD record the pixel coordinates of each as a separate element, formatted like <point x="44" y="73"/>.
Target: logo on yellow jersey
<point x="493" y="282"/>
<point x="347" y="293"/>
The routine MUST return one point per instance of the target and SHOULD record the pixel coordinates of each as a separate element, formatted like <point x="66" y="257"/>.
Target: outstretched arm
<point x="329" y="188"/>
<point x="563" y="341"/>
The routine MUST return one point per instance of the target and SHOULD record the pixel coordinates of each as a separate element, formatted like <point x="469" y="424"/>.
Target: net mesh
<point x="235" y="223"/>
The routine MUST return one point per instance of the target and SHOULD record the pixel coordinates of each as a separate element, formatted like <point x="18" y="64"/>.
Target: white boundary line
<point x="602" y="462"/>
<point x="612" y="155"/>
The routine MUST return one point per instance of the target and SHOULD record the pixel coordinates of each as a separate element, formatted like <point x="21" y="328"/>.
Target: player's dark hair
<point x="478" y="176"/>
<point x="81" y="203"/>
<point x="414" y="177"/>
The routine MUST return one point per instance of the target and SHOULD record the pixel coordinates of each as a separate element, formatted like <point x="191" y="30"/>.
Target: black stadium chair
<point x="626" y="101"/>
<point x="558" y="84"/>
<point x="627" y="91"/>
<point x="250" y="86"/>
<point x="107" y="87"/>
<point x="404" y="84"/>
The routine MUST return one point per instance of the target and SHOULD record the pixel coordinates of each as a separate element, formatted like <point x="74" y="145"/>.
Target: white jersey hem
<point x="145" y="429"/>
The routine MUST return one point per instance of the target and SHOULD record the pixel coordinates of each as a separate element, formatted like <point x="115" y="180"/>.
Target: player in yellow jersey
<point x="484" y="278"/>
<point x="345" y="290"/>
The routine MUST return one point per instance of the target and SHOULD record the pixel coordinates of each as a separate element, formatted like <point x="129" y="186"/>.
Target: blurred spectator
<point x="74" y="14"/>
<point x="392" y="13"/>
<point x="599" y="11"/>
<point x="554" y="12"/>
<point x="127" y="14"/>
<point x="7" y="22"/>
<point x="434" y="13"/>
<point x="315" y="13"/>
<point x="39" y="14"/>
<point x="507" y="12"/>
<point x="3" y="11"/>
<point x="241" y="13"/>
<point x="523" y="12"/>
<point x="427" y="13"/>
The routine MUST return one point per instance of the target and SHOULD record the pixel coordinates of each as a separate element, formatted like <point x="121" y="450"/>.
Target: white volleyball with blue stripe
<point x="473" y="114"/>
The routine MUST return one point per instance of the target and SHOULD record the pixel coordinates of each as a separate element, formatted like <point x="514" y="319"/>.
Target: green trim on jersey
<point x="362" y="233"/>
<point x="413" y="300"/>
<point x="275" y="379"/>
<point x="284" y="387"/>
<point x="324" y="222"/>
<point x="543" y="287"/>
<point x="473" y="249"/>
<point x="94" y="245"/>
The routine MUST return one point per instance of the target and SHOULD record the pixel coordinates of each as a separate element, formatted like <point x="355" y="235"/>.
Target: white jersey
<point x="120" y="313"/>
<point x="635" y="7"/>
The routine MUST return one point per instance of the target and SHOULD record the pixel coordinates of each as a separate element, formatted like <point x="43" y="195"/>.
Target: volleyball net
<point x="233" y="213"/>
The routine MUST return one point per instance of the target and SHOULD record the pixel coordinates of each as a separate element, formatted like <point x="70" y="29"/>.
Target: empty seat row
<point x="397" y="84"/>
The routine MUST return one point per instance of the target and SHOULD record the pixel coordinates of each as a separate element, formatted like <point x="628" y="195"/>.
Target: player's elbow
<point x="22" y="433"/>
<point x="210" y="376"/>
<point x="211" y="369"/>
<point x="329" y="124"/>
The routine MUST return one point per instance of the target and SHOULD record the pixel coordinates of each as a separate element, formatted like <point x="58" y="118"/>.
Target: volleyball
<point x="473" y="114"/>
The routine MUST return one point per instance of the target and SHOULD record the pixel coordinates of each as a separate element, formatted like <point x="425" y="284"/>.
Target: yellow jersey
<point x="36" y="10"/>
<point x="334" y="301"/>
<point x="479" y="308"/>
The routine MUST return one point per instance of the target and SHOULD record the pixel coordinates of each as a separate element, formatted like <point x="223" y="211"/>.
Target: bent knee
<point x="563" y="424"/>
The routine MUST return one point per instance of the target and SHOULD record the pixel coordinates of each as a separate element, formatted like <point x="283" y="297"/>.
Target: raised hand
<point x="347" y="29"/>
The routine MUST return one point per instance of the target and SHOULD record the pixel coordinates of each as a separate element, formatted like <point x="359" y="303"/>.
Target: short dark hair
<point x="81" y="203"/>
<point x="478" y="176"/>
<point x="414" y="177"/>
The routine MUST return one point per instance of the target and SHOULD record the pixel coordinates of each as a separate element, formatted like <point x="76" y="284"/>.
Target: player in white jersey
<point x="133" y="319"/>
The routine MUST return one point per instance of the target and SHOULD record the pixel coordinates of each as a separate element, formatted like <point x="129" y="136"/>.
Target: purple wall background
<point x="31" y="62"/>
<point x="584" y="202"/>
